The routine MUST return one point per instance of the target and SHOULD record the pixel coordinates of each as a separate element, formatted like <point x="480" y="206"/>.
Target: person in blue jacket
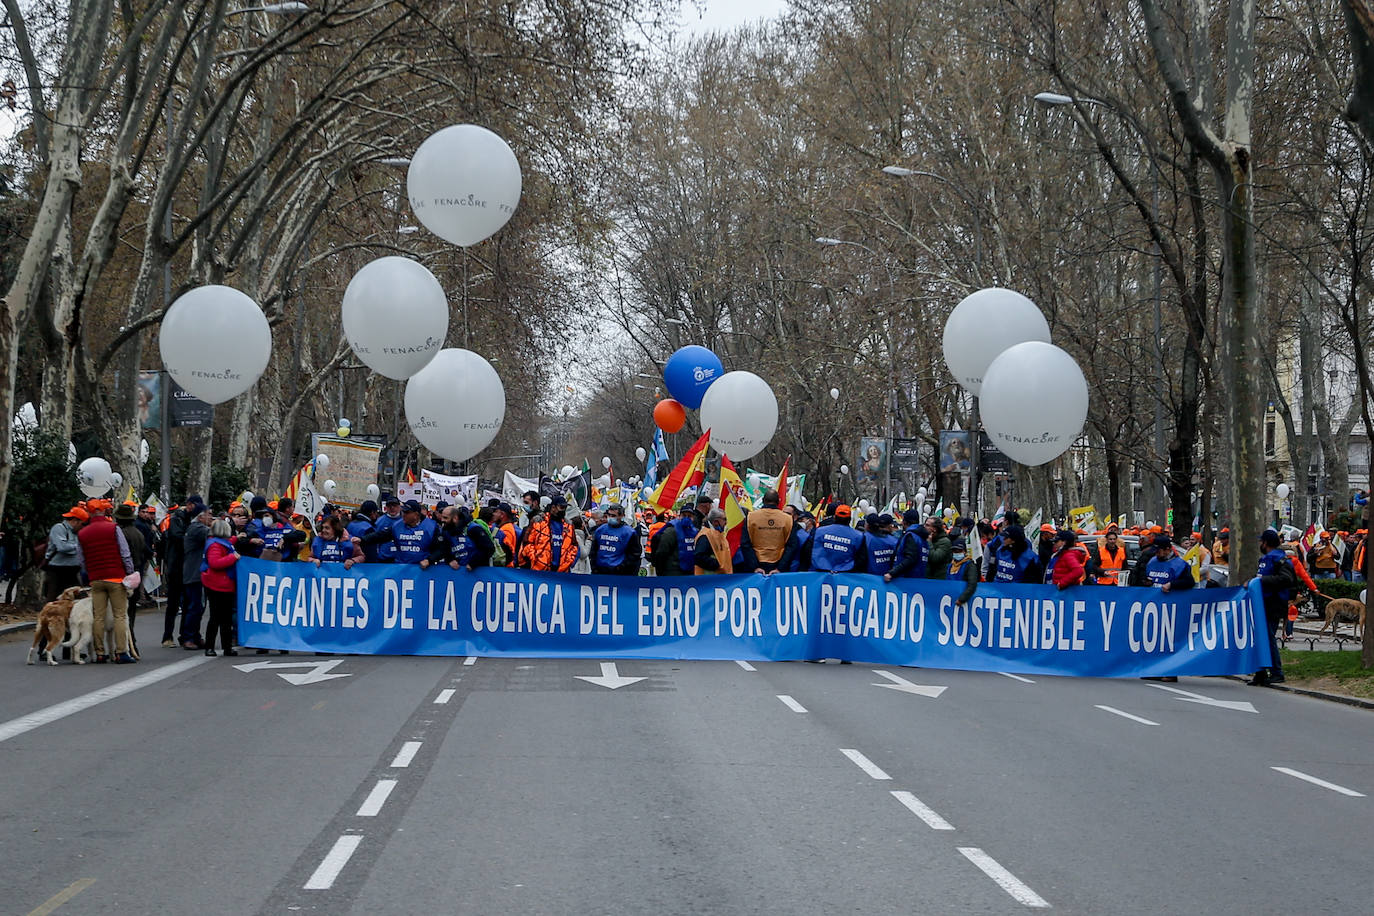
<point x="881" y="544"/>
<point x="391" y="515"/>
<point x="615" y="549"/>
<point x="1278" y="581"/>
<point x="838" y="547"/>
<point x="1015" y="560"/>
<point x="364" y="523"/>
<point x="410" y="539"/>
<point x="913" y="549"/>
<point x="1166" y="570"/>
<point x="460" y="541"/>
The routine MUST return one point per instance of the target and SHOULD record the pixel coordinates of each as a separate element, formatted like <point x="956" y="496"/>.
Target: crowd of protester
<point x="196" y="548"/>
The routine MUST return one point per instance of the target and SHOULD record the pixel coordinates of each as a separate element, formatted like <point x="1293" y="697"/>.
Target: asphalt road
<point x="185" y="785"/>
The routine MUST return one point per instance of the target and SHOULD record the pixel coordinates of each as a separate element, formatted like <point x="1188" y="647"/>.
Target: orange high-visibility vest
<point x="1113" y="562"/>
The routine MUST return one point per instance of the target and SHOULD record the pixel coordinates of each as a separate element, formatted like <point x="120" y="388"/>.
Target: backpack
<point x="498" y="553"/>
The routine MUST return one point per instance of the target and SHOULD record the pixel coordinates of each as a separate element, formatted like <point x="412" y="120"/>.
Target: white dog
<point x="79" y="625"/>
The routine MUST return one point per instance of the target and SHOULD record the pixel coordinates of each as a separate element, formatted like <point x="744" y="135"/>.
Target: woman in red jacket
<point x="1067" y="566"/>
<point x="217" y="578"/>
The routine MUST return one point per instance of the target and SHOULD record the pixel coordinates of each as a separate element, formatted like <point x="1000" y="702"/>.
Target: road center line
<point x="791" y="703"/>
<point x="15" y="727"/>
<point x="324" y="876"/>
<point x="923" y="811"/>
<point x="61" y="897"/>
<point x="1016" y="677"/>
<point x="444" y="696"/>
<point x="405" y="754"/>
<point x="1125" y="715"/>
<point x="372" y="805"/>
<point x="745" y="665"/>
<point x="470" y="660"/>
<point x="1005" y="879"/>
<point x="863" y="763"/>
<point x="1319" y="782"/>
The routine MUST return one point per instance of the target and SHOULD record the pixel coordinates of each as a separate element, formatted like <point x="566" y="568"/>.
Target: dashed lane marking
<point x="1125" y="715"/>
<point x="372" y="805"/>
<point x="61" y="897"/>
<point x="923" y="811"/>
<point x="791" y="703"/>
<point x="1016" y="677"/>
<point x="444" y="695"/>
<point x="324" y="877"/>
<point x="405" y="754"/>
<point x="470" y="660"/>
<point x="863" y="763"/>
<point x="1005" y="879"/>
<point x="745" y="665"/>
<point x="1319" y="782"/>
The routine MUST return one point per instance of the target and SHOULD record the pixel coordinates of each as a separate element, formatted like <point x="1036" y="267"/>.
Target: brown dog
<point x="1344" y="610"/>
<point x="52" y="624"/>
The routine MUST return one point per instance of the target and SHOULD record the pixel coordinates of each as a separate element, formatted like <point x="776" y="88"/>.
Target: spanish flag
<point x="730" y="482"/>
<point x="690" y="472"/>
<point x="782" y="482"/>
<point x="410" y="476"/>
<point x="734" y="515"/>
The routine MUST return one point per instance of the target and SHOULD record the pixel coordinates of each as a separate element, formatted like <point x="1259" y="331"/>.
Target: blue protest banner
<point x="1087" y="631"/>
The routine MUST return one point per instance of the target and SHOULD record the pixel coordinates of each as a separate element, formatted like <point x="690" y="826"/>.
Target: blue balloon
<point x="689" y="372"/>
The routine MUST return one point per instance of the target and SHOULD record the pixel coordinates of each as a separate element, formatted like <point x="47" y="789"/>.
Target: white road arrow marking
<point x="1188" y="697"/>
<point x="609" y="677"/>
<point x="318" y="673"/>
<point x="905" y="686"/>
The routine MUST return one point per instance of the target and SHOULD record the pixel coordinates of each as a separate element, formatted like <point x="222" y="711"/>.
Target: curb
<point x="1359" y="702"/>
<point x="18" y="627"/>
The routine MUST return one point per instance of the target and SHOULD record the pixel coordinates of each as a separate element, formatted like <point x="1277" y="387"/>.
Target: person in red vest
<point x="106" y="561"/>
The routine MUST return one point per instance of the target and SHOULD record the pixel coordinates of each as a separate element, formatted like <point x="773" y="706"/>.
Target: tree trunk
<point x="1243" y="357"/>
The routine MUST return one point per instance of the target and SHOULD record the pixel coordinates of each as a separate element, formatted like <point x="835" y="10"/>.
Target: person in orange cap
<point x="62" y="558"/>
<point x="1323" y="559"/>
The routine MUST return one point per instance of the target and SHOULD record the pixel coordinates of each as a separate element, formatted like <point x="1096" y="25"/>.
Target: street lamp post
<point x="1056" y="100"/>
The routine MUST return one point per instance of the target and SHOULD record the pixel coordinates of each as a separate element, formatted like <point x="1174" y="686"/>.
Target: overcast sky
<point x="719" y="15"/>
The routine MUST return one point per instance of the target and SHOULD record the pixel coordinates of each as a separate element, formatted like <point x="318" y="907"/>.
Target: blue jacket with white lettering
<point x="882" y="551"/>
<point x="410" y="545"/>
<point x="687" y="533"/>
<point x="1173" y="570"/>
<point x="1012" y="568"/>
<point x="913" y="552"/>
<point x="386" y="550"/>
<point x="838" y="548"/>
<point x="615" y="550"/>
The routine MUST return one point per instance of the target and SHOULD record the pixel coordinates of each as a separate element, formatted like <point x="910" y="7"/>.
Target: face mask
<point x="265" y="517"/>
<point x="616" y="521"/>
<point x="959" y="555"/>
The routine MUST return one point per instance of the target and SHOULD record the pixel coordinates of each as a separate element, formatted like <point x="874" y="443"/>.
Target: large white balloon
<point x="215" y="342"/>
<point x="741" y="412"/>
<point x="116" y="481"/>
<point x="456" y="404"/>
<point x="1282" y="490"/>
<point x="984" y="324"/>
<point x="463" y="183"/>
<point x="1034" y="402"/>
<point x="93" y="477"/>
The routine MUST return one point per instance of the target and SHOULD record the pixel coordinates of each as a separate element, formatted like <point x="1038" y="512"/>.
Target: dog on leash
<point x="53" y="621"/>
<point x="1344" y="610"/>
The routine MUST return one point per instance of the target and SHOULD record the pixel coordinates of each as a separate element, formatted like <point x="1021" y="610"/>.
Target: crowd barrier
<point x="1085" y="631"/>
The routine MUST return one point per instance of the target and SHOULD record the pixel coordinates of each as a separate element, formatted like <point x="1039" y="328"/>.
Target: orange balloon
<point x="669" y="415"/>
